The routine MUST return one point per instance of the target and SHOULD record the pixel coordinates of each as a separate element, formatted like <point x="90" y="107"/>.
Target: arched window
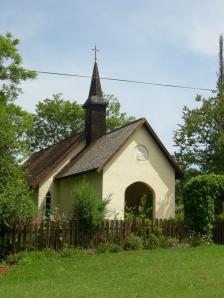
<point x="48" y="204"/>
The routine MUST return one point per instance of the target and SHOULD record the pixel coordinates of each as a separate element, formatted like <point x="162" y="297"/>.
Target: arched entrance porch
<point x="139" y="197"/>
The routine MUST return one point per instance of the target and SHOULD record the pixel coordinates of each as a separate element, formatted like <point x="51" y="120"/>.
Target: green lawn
<point x="194" y="272"/>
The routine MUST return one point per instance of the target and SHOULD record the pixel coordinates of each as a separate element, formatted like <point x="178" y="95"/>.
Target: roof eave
<point x="36" y="182"/>
<point x="76" y="174"/>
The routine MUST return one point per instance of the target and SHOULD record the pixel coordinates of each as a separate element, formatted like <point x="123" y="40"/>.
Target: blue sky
<point x="174" y="42"/>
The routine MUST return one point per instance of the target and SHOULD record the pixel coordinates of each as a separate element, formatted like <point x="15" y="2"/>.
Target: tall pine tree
<point x="200" y="139"/>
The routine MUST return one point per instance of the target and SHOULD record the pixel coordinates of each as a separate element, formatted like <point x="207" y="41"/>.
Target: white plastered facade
<point x="120" y="172"/>
<point x="49" y="185"/>
<point x="156" y="172"/>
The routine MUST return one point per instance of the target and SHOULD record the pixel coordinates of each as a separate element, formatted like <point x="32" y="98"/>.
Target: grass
<point x="192" y="272"/>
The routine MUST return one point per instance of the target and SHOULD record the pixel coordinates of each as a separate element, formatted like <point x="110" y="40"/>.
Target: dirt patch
<point x="4" y="269"/>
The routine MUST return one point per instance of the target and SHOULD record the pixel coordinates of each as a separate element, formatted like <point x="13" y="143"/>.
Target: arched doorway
<point x="139" y="197"/>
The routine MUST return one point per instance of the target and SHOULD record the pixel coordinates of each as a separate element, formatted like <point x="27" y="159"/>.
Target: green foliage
<point x="69" y="252"/>
<point x="133" y="242"/>
<point x="115" y="247"/>
<point x="200" y="139"/>
<point x="144" y="210"/>
<point x="179" y="213"/>
<point x="109" y="247"/>
<point x="154" y="239"/>
<point x="200" y="196"/>
<point x="16" y="201"/>
<point x="11" y="71"/>
<point x="15" y="198"/>
<point x="116" y="118"/>
<point x="56" y="119"/>
<point x="197" y="239"/>
<point x="89" y="207"/>
<point x="152" y="242"/>
<point x="187" y="175"/>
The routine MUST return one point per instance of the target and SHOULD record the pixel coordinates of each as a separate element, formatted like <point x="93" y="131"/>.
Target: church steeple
<point x="95" y="106"/>
<point x="95" y="91"/>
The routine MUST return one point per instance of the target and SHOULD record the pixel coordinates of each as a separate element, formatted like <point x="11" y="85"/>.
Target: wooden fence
<point x="218" y="232"/>
<point x="57" y="235"/>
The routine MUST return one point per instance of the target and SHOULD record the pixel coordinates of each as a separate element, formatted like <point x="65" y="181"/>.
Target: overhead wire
<point x="127" y="81"/>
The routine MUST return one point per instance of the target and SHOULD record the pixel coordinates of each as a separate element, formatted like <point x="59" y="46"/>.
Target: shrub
<point x="70" y="251"/>
<point x="143" y="211"/>
<point x="196" y="239"/>
<point x="179" y="213"/>
<point x="16" y="202"/>
<point x="12" y="259"/>
<point x="102" y="248"/>
<point x="133" y="242"/>
<point x="115" y="247"/>
<point x="200" y="195"/>
<point x="89" y="208"/>
<point x="152" y="242"/>
<point x="169" y="242"/>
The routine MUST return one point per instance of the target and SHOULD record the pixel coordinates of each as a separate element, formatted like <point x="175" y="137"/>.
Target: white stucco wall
<point x="48" y="183"/>
<point x="66" y="187"/>
<point x="124" y="169"/>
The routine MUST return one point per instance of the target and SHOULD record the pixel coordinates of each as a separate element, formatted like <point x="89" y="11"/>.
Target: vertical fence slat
<point x="57" y="235"/>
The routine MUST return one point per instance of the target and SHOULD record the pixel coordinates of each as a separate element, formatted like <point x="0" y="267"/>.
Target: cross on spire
<point x="95" y="50"/>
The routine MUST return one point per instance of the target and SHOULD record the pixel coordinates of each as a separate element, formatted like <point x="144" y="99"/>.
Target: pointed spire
<point x="95" y="106"/>
<point x="95" y="91"/>
<point x="95" y="87"/>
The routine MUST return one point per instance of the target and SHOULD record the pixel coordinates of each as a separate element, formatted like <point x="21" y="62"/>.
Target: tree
<point x="221" y="64"/>
<point x="89" y="208"/>
<point x="116" y="118"/>
<point x="56" y="119"/>
<point x="203" y="196"/>
<point x="15" y="198"/>
<point x="200" y="139"/>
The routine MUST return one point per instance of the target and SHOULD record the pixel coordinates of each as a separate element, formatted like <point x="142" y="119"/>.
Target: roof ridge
<point x="76" y="134"/>
<point x="120" y="127"/>
<point x="82" y="132"/>
<point x="55" y="163"/>
<point x="76" y="158"/>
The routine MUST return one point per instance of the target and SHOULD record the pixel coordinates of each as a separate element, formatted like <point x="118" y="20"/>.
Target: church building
<point x="123" y="165"/>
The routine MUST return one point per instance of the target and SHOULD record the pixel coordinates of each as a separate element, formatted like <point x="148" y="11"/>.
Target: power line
<point x="127" y="81"/>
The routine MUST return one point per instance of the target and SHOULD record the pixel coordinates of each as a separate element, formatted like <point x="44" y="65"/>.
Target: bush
<point x="102" y="248"/>
<point x="70" y="251"/>
<point x="16" y="202"/>
<point x="109" y="247"/>
<point x="179" y="213"/>
<point x="89" y="208"/>
<point x="152" y="242"/>
<point x="200" y="195"/>
<point x="133" y="242"/>
<point x="196" y="239"/>
<point x="115" y="247"/>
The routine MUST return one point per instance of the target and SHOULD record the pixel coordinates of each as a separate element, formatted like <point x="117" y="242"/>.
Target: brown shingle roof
<point x="91" y="158"/>
<point x="42" y="162"/>
<point x="96" y="156"/>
